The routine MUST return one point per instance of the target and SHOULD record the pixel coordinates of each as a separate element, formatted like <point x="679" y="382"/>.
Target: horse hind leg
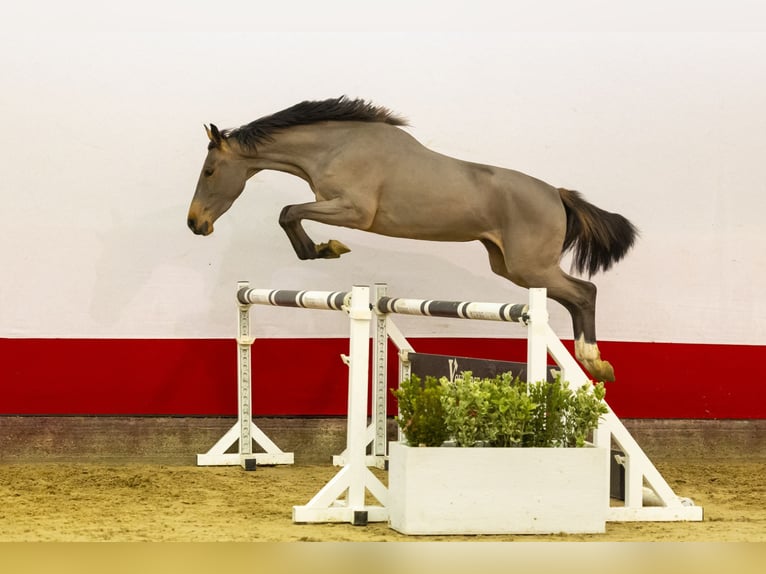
<point x="579" y="298"/>
<point x="576" y="295"/>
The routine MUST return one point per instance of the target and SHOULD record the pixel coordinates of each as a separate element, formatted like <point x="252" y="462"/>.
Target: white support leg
<point x="218" y="455"/>
<point x="354" y="478"/>
<point x="638" y="467"/>
<point x="571" y="371"/>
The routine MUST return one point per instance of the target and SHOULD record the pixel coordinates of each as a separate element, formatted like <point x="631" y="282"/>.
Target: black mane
<point x="310" y="112"/>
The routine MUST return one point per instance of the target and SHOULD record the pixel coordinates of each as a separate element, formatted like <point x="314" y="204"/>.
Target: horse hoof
<point x="600" y="370"/>
<point x="331" y="250"/>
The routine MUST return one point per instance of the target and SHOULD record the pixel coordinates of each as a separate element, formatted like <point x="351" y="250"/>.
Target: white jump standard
<point x="329" y="504"/>
<point x="245" y="431"/>
<point x="342" y="499"/>
<point x="354" y="478"/>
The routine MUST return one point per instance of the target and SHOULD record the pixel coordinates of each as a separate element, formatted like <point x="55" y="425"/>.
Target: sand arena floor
<point x="143" y="502"/>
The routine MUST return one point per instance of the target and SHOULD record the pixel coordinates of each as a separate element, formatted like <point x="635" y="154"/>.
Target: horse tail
<point x="597" y="238"/>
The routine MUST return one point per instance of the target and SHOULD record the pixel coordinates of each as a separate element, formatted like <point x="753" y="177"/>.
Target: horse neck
<point x="298" y="151"/>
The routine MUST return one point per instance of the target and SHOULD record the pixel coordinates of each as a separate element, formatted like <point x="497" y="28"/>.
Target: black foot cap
<point x="360" y="518"/>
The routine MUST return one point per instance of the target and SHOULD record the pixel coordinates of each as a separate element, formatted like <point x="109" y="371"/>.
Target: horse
<point x="368" y="173"/>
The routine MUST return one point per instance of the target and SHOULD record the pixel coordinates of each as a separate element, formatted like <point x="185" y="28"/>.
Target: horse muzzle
<point x="199" y="227"/>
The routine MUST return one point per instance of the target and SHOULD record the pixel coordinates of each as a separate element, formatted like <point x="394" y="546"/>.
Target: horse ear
<point x="214" y="135"/>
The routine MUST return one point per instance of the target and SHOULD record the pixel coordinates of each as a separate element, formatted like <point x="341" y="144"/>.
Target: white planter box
<point x="443" y="490"/>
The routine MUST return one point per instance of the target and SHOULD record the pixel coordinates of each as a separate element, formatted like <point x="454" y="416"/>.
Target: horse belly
<point x="435" y="215"/>
<point x="436" y="197"/>
<point x="429" y="221"/>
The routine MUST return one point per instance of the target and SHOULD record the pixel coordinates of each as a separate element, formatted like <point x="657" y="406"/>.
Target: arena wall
<point x="110" y="306"/>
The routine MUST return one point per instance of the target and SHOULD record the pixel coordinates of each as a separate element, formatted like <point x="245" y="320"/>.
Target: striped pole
<point x="327" y="300"/>
<point x="510" y="312"/>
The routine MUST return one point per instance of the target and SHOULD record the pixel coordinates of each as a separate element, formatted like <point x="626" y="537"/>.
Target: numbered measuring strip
<point x="512" y="312"/>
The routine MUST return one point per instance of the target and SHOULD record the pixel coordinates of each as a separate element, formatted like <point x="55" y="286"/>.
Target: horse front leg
<point x="304" y="246"/>
<point x="332" y="212"/>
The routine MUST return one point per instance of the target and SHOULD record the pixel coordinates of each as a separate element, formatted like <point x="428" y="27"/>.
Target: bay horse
<point x="367" y="173"/>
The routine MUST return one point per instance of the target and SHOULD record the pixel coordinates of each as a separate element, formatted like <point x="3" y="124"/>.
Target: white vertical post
<point x="634" y="482"/>
<point x="602" y="438"/>
<point x="537" y="345"/>
<point x="359" y="355"/>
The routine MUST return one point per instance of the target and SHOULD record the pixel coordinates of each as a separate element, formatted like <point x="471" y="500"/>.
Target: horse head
<point x="220" y="183"/>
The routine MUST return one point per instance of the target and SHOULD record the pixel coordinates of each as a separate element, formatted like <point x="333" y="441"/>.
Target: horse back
<point x="420" y="193"/>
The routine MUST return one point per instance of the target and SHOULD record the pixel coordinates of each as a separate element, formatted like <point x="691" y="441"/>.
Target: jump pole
<point x="352" y="480"/>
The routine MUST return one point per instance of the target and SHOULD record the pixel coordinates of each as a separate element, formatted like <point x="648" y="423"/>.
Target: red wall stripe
<point x="307" y="376"/>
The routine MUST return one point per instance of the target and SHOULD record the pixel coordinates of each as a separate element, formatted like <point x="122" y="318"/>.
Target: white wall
<point x="652" y="109"/>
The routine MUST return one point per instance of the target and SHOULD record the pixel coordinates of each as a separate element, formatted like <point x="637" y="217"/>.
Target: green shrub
<point x="565" y="417"/>
<point x="587" y="406"/>
<point x="502" y="411"/>
<point x="548" y="421"/>
<point x="421" y="415"/>
<point x="490" y="411"/>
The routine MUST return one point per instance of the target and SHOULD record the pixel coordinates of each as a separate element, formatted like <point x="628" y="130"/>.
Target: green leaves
<point x="586" y="408"/>
<point x="421" y="414"/>
<point x="490" y="411"/>
<point x="503" y="411"/>
<point x="565" y="417"/>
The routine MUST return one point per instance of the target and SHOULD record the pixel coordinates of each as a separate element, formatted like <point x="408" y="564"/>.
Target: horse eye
<point x="208" y="172"/>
